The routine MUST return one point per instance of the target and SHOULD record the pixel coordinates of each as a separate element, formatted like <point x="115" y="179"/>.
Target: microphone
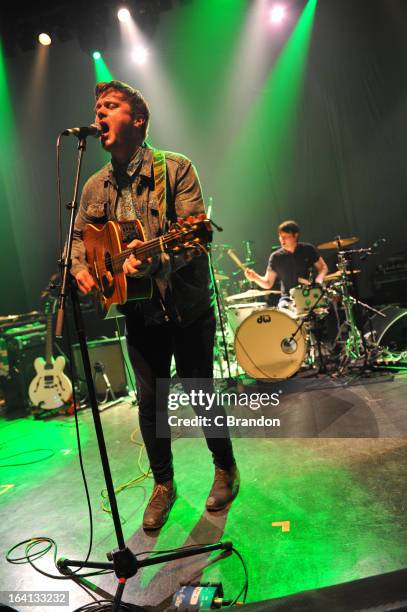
<point x="83" y="132"/>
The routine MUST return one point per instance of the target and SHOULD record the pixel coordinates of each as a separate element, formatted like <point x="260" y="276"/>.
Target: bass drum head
<point x="264" y="346"/>
<point x="389" y="331"/>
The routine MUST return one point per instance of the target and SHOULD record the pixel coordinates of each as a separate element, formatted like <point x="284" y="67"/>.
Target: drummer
<point x="295" y="263"/>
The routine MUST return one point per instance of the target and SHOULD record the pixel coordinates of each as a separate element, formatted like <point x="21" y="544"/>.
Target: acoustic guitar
<point x="107" y="247"/>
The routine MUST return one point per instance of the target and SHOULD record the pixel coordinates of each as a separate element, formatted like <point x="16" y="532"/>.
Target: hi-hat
<point x="221" y="277"/>
<point x="340" y="243"/>
<point x="251" y="293"/>
<point x="338" y="274"/>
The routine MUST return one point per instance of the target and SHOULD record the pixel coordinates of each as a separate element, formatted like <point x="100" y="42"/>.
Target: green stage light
<point x="96" y="55"/>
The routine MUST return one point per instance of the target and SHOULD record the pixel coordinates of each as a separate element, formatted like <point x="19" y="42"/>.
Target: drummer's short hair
<point x="289" y="227"/>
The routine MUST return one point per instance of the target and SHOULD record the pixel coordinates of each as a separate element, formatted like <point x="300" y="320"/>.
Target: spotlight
<point x="96" y="55"/>
<point x="124" y="15"/>
<point x="139" y="55"/>
<point x="44" y="39"/>
<point x="277" y="14"/>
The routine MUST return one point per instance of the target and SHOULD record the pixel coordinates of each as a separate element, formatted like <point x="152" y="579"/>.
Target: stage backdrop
<point x="307" y="121"/>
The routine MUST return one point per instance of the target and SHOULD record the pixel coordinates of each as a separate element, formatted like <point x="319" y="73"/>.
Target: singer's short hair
<point x="133" y="96"/>
<point x="289" y="227"/>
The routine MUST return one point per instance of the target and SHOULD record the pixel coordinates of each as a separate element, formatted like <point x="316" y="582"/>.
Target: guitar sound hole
<point x="107" y="277"/>
<point x="108" y="263"/>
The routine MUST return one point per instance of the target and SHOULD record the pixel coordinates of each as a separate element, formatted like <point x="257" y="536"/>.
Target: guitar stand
<point x="99" y="368"/>
<point x="121" y="560"/>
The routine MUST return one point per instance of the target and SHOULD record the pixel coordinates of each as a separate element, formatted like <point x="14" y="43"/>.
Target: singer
<point x="179" y="320"/>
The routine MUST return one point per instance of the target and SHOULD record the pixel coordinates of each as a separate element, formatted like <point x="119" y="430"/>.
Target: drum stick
<point x="235" y="258"/>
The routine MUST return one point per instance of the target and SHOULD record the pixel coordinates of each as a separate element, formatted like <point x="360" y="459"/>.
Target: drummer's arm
<point x="322" y="270"/>
<point x="266" y="281"/>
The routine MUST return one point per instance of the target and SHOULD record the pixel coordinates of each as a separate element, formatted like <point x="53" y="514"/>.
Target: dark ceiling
<point x="20" y="23"/>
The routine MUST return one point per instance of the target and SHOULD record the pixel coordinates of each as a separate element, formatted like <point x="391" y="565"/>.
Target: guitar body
<point x="50" y="388"/>
<point x="104" y="245"/>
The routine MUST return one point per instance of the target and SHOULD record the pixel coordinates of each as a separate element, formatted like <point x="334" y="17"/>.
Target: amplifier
<point x="18" y="367"/>
<point x="19" y="346"/>
<point x="111" y="354"/>
<point x="25" y="335"/>
<point x="390" y="280"/>
<point x="34" y="339"/>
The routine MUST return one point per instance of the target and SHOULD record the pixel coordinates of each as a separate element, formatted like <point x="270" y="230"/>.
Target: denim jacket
<point x="188" y="295"/>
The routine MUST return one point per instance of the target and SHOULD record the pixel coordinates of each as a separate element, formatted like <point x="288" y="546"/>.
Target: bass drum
<point x="389" y="331"/>
<point x="265" y="347"/>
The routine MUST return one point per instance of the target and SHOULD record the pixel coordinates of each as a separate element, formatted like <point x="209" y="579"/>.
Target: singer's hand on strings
<point x="131" y="264"/>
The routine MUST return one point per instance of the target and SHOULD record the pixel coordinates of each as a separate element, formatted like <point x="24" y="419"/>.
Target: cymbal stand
<point x="354" y="343"/>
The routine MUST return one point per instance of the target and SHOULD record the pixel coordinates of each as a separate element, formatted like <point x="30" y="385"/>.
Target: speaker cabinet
<point x="15" y="385"/>
<point x="106" y="356"/>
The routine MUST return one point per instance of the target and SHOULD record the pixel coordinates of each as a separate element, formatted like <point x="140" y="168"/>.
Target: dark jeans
<point x="150" y="350"/>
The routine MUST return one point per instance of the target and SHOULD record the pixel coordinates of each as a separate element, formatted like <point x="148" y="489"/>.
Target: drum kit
<point x="315" y="328"/>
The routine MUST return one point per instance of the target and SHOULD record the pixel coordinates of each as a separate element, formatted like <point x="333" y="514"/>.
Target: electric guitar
<point x="50" y="388"/>
<point x="106" y="249"/>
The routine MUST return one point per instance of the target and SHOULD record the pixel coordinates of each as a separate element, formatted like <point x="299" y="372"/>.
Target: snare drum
<point x="265" y="347"/>
<point x="306" y="297"/>
<point x="239" y="312"/>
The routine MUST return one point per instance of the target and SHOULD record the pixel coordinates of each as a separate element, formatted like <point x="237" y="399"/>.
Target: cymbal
<point x="338" y="273"/>
<point x="333" y="244"/>
<point x="221" y="277"/>
<point x="251" y="293"/>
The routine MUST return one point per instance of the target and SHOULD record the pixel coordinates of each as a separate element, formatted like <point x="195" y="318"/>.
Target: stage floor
<point x="339" y="488"/>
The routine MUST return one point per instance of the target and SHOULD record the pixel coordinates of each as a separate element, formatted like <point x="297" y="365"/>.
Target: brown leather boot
<point x="159" y="505"/>
<point x="225" y="487"/>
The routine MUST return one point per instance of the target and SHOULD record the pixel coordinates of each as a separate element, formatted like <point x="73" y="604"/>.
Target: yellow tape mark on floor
<point x="285" y="525"/>
<point x="5" y="488"/>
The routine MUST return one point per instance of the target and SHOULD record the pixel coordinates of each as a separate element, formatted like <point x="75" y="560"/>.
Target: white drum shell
<point x="264" y="348"/>
<point x="239" y="312"/>
<point x="305" y="297"/>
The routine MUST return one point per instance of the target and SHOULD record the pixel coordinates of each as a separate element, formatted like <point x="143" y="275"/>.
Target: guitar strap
<point x="160" y="184"/>
<point x="159" y="168"/>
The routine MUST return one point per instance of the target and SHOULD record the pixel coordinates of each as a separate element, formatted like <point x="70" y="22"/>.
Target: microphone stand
<point x="220" y="318"/>
<point x="121" y="560"/>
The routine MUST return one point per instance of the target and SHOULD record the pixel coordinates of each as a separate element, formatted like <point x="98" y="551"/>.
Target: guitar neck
<point x="151" y="248"/>
<point x="162" y="244"/>
<point x="48" y="343"/>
